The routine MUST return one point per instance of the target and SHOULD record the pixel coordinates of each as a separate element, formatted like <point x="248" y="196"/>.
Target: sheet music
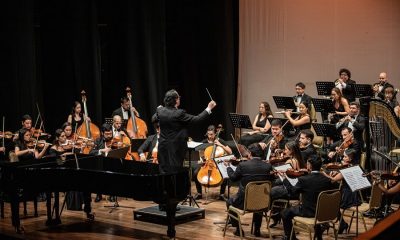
<point x="193" y="144"/>
<point x="283" y="168"/>
<point x="355" y="179"/>
<point x="221" y="166"/>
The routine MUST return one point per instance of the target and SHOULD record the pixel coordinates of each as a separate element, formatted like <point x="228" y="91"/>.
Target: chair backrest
<point x="257" y="196"/>
<point x="376" y="197"/>
<point x="313" y="113"/>
<point x="318" y="141"/>
<point x="328" y="206"/>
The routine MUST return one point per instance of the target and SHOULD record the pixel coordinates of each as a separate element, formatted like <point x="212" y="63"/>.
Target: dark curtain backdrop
<point x="51" y="50"/>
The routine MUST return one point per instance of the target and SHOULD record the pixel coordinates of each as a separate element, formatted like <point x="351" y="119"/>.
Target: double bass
<point x="88" y="131"/>
<point x="209" y="174"/>
<point x="135" y="125"/>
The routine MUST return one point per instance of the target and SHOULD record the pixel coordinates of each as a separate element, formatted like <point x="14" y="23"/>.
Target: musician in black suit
<point x="355" y="121"/>
<point x="301" y="96"/>
<point x="124" y="111"/>
<point x="151" y="143"/>
<point x="310" y="187"/>
<point x="173" y="130"/>
<point x="275" y="142"/>
<point x="252" y="170"/>
<point x="307" y="148"/>
<point x="345" y="84"/>
<point x="379" y="88"/>
<point x="347" y="142"/>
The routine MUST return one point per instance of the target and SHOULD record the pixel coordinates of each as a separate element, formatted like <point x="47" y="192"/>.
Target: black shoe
<point x="276" y="217"/>
<point x="98" y="198"/>
<point x="237" y="232"/>
<point x="198" y="196"/>
<point x="257" y="232"/>
<point x="344" y="226"/>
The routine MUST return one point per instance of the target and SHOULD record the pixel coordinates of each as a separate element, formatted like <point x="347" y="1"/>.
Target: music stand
<point x="363" y="90"/>
<point x="240" y="121"/>
<point x="326" y="130"/>
<point x="189" y="198"/>
<point x="284" y="102"/>
<point x="324" y="106"/>
<point x="324" y="88"/>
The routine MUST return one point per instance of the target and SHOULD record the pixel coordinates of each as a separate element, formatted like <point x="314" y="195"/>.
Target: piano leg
<point x="50" y="221"/>
<point x="171" y="211"/>
<point x="15" y="212"/>
<point x="87" y="208"/>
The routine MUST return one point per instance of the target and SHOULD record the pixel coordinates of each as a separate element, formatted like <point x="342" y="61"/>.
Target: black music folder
<point x="284" y="102"/>
<point x="118" y="153"/>
<point x="323" y="105"/>
<point x="136" y="143"/>
<point x="363" y="90"/>
<point x="326" y="130"/>
<point x="324" y="88"/>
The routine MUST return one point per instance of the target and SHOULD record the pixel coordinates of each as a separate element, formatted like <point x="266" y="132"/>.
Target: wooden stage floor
<point x="120" y="225"/>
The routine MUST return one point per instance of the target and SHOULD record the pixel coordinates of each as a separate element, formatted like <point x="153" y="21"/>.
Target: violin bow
<point x="4" y="120"/>
<point x="236" y="145"/>
<point x="41" y="118"/>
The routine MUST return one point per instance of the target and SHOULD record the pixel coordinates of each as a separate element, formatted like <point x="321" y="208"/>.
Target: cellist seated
<point x="222" y="149"/>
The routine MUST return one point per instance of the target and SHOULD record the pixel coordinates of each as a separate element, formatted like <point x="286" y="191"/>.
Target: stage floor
<point x="120" y="223"/>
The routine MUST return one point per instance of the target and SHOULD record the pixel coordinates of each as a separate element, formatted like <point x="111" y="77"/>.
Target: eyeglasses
<point x="381" y="78"/>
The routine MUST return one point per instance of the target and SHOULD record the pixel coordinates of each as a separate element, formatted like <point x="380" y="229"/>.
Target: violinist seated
<point x="150" y="145"/>
<point x="26" y="123"/>
<point x="355" y="121"/>
<point x="347" y="142"/>
<point x="303" y="120"/>
<point x="221" y="150"/>
<point x="62" y="147"/>
<point x="102" y="146"/>
<point x="310" y="186"/>
<point x="254" y="169"/>
<point x="124" y="111"/>
<point x="349" y="198"/>
<point x="306" y="146"/>
<point x="27" y="148"/>
<point x="261" y="126"/>
<point x="293" y="157"/>
<point x="274" y="143"/>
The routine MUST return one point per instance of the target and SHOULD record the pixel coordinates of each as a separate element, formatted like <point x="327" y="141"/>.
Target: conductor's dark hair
<point x="256" y="150"/>
<point x="345" y="70"/>
<point x="106" y="127"/>
<point x="170" y="98"/>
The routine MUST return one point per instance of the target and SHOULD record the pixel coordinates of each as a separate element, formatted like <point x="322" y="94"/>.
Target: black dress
<point x="337" y="117"/>
<point x="76" y="123"/>
<point x="248" y="139"/>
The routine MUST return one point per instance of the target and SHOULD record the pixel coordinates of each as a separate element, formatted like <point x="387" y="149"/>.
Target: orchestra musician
<point x="345" y="84"/>
<point x="349" y="198"/>
<point x="293" y="157"/>
<point x="310" y="186"/>
<point x="261" y="125"/>
<point x="26" y="148"/>
<point x="303" y="120"/>
<point x="305" y="144"/>
<point x="26" y="123"/>
<point x="77" y="117"/>
<point x="347" y="142"/>
<point x="252" y="170"/>
<point x="274" y="143"/>
<point x="150" y="145"/>
<point x="211" y="138"/>
<point x="173" y="130"/>
<point x="301" y="96"/>
<point x="61" y="146"/>
<point x="340" y="104"/>
<point x="391" y="100"/>
<point x="124" y="111"/>
<point x="117" y="129"/>
<point x="102" y="146"/>
<point x="355" y="121"/>
<point x="379" y="87"/>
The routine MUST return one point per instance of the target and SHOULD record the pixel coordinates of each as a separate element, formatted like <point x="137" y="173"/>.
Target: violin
<point x="336" y="166"/>
<point x="39" y="144"/>
<point x="383" y="175"/>
<point x="7" y="134"/>
<point x="296" y="173"/>
<point x="278" y="159"/>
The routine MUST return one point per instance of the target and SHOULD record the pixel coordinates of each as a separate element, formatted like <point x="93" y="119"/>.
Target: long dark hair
<point x="296" y="153"/>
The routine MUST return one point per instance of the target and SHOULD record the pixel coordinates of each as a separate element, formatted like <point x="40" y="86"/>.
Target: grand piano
<point x="94" y="174"/>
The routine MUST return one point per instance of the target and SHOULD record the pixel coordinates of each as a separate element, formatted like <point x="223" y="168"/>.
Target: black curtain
<point x="51" y="50"/>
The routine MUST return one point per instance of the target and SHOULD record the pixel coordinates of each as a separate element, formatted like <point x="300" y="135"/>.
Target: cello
<point x="88" y="131"/>
<point x="135" y="125"/>
<point x="209" y="173"/>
